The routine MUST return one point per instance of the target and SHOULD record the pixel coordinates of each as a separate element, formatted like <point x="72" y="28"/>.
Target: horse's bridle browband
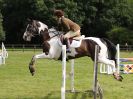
<point x="36" y="31"/>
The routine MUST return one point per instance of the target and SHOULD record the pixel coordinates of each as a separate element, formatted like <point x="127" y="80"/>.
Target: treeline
<point x="112" y="19"/>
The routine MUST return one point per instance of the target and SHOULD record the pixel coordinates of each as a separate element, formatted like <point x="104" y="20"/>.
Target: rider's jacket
<point x="65" y="24"/>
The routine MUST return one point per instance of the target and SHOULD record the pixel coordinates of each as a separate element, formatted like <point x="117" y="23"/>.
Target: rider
<point x="70" y="28"/>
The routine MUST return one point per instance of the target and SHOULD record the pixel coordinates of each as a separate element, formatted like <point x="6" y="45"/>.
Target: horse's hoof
<point x="121" y="77"/>
<point x="32" y="70"/>
<point x="118" y="77"/>
<point x="32" y="73"/>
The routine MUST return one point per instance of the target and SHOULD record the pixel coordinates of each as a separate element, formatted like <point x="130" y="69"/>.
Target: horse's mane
<point x="53" y="31"/>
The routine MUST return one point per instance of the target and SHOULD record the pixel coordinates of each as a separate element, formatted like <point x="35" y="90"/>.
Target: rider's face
<point x="56" y="18"/>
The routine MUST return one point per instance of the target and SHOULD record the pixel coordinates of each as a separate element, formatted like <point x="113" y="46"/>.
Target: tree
<point x="121" y="35"/>
<point x="15" y="14"/>
<point x="96" y="17"/>
<point x="70" y="8"/>
<point x="102" y="15"/>
<point x="2" y="33"/>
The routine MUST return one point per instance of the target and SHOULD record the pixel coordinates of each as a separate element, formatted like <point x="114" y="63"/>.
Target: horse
<point x="52" y="45"/>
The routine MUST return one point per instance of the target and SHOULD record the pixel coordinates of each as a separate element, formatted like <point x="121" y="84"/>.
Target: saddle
<point x="74" y="42"/>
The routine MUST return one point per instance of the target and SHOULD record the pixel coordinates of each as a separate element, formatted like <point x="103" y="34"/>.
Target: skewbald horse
<point x="52" y="47"/>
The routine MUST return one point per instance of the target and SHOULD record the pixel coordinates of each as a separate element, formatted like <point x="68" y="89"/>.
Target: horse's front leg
<point x="31" y="65"/>
<point x="32" y="62"/>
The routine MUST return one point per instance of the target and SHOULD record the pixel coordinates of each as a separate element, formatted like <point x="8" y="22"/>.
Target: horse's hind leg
<point x="108" y="62"/>
<point x="113" y="65"/>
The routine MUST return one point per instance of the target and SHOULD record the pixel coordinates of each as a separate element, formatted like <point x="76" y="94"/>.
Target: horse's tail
<point x="111" y="49"/>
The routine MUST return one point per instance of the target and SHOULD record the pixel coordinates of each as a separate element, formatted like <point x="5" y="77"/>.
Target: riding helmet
<point x="58" y="13"/>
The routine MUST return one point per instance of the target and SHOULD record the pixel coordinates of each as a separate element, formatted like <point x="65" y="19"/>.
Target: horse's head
<point x="34" y="28"/>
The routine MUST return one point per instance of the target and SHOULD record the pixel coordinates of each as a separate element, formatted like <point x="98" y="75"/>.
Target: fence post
<point x="72" y="75"/>
<point x="118" y="58"/>
<point x="23" y="47"/>
<point x="12" y="47"/>
<point x="95" y="71"/>
<point x="34" y="48"/>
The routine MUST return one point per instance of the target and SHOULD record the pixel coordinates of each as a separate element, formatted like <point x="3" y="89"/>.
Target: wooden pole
<point x="95" y="71"/>
<point x="72" y="75"/>
<point x="118" y="58"/>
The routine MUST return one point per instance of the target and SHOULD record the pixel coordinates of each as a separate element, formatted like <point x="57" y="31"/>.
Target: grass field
<point x="17" y="83"/>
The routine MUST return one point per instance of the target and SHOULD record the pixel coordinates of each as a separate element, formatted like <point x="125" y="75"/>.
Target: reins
<point x="58" y="34"/>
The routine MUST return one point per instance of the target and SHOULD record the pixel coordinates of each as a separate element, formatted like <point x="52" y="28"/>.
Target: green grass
<point x="17" y="83"/>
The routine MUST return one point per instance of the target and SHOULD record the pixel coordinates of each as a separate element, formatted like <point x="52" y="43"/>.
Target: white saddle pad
<point x="77" y="41"/>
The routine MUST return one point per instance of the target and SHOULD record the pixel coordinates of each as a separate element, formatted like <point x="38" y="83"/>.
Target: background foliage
<point x="100" y="18"/>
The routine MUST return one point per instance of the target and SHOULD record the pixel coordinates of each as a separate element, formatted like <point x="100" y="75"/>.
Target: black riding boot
<point x="68" y="50"/>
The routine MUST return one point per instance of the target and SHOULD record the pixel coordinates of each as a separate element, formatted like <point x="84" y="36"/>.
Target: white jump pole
<point x="106" y="69"/>
<point x="3" y="54"/>
<point x="110" y="69"/>
<point x="63" y="88"/>
<point x="118" y="58"/>
<point x="72" y="75"/>
<point x="103" y="68"/>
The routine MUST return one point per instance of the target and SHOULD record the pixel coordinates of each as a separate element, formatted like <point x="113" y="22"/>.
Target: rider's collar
<point x="62" y="16"/>
<point x="60" y="19"/>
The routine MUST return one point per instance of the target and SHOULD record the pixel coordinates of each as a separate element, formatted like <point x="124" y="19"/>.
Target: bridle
<point x="36" y="32"/>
